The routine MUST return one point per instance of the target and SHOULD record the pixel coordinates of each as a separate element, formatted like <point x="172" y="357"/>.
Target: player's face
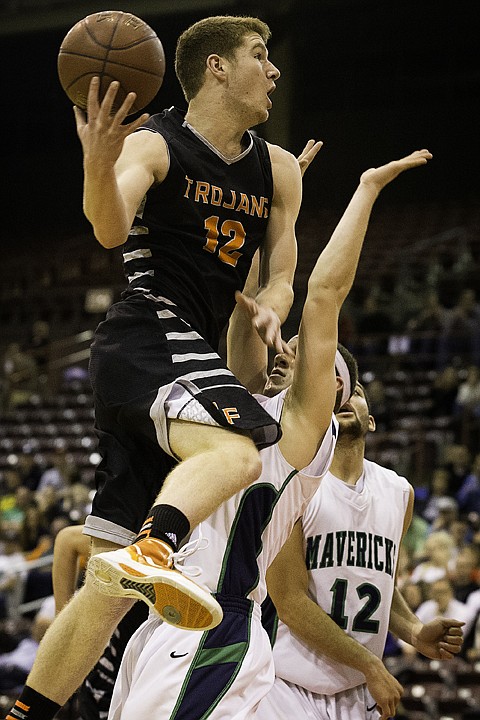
<point x="252" y="80"/>
<point x="281" y="375"/>
<point x="353" y="417"/>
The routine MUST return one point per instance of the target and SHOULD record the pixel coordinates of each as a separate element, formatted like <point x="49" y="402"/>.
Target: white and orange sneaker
<point x="147" y="571"/>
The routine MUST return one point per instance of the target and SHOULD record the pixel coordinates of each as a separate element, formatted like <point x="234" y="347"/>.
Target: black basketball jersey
<point x="196" y="233"/>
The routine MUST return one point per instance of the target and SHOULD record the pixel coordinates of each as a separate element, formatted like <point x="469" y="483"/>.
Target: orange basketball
<point x="112" y="45"/>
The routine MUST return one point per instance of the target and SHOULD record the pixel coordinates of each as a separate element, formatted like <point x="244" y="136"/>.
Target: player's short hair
<point x="220" y="34"/>
<point x="352" y="367"/>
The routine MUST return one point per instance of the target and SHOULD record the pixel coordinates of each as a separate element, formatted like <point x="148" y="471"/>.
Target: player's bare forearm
<point x="402" y="620"/>
<point x="277" y="296"/>
<point x="247" y="354"/>
<point x="439" y="639"/>
<point x="273" y="304"/>
<point x="254" y="327"/>
<point x="109" y="220"/>
<point x="102" y="134"/>
<point x="333" y="642"/>
<point x="278" y="252"/>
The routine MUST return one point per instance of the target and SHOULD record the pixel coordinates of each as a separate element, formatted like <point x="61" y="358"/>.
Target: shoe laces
<point x="178" y="558"/>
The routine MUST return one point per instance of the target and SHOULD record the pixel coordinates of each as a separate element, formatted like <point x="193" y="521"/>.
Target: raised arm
<point x="247" y="354"/>
<point x="251" y="367"/>
<point x="311" y="398"/>
<point x="287" y="582"/>
<point x="278" y="255"/>
<point x="119" y="167"/>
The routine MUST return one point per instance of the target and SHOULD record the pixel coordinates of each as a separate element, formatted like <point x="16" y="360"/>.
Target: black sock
<point x="32" y="705"/>
<point x="167" y="523"/>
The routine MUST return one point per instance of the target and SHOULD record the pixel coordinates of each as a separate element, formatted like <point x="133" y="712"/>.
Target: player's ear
<point x="372" y="425"/>
<point x="216" y="65"/>
<point x="338" y="393"/>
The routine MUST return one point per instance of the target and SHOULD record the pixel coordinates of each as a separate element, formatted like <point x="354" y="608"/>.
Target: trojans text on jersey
<point x="205" y="192"/>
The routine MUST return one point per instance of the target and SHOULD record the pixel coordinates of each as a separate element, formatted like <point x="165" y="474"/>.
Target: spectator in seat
<point x="438" y="551"/>
<point x="461" y="532"/>
<point x="458" y="462"/>
<point x="447" y="516"/>
<point x="460" y="337"/>
<point x="49" y="501"/>
<point x="426" y="327"/>
<point x="76" y="502"/>
<point x="30" y="471"/>
<point x="381" y="407"/>
<point x="39" y="343"/>
<point x="414" y="541"/>
<point x="10" y="513"/>
<point x="414" y="595"/>
<point x="468" y="395"/>
<point x="20" y="373"/>
<point x="438" y="490"/>
<point x="444" y="392"/>
<point x="374" y="326"/>
<point x="470" y="488"/>
<point x="61" y="471"/>
<point x="33" y="529"/>
<point x="17" y="662"/>
<point x="463" y="575"/>
<point x="12" y="573"/>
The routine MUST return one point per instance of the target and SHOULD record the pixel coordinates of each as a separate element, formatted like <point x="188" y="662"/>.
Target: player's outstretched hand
<point x="384" y="688"/>
<point x="265" y="321"/>
<point x="103" y="133"/>
<point x="381" y="176"/>
<point x="308" y="154"/>
<point x="439" y="639"/>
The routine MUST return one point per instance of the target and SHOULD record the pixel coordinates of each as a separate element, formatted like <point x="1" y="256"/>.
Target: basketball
<point x="112" y="45"/>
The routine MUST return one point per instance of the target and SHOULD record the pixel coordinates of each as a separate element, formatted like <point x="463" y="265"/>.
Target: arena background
<point x="374" y="80"/>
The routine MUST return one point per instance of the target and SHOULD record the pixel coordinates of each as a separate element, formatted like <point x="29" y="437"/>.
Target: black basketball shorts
<point x="148" y="364"/>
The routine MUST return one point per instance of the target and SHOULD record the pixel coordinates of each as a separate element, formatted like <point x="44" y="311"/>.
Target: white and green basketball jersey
<point x="246" y="532"/>
<point x="351" y="541"/>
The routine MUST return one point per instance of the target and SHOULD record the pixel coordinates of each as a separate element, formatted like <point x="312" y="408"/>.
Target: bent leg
<point x="215" y="464"/>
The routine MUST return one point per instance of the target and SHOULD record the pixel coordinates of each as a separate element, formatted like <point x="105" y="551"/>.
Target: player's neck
<point x="347" y="463"/>
<point x="225" y="135"/>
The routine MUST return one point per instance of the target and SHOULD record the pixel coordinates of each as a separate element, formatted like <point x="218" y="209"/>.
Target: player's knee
<point x="246" y="458"/>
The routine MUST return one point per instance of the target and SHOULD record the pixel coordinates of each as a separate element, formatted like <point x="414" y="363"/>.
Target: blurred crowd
<point x="439" y="562"/>
<point x="36" y="502"/>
